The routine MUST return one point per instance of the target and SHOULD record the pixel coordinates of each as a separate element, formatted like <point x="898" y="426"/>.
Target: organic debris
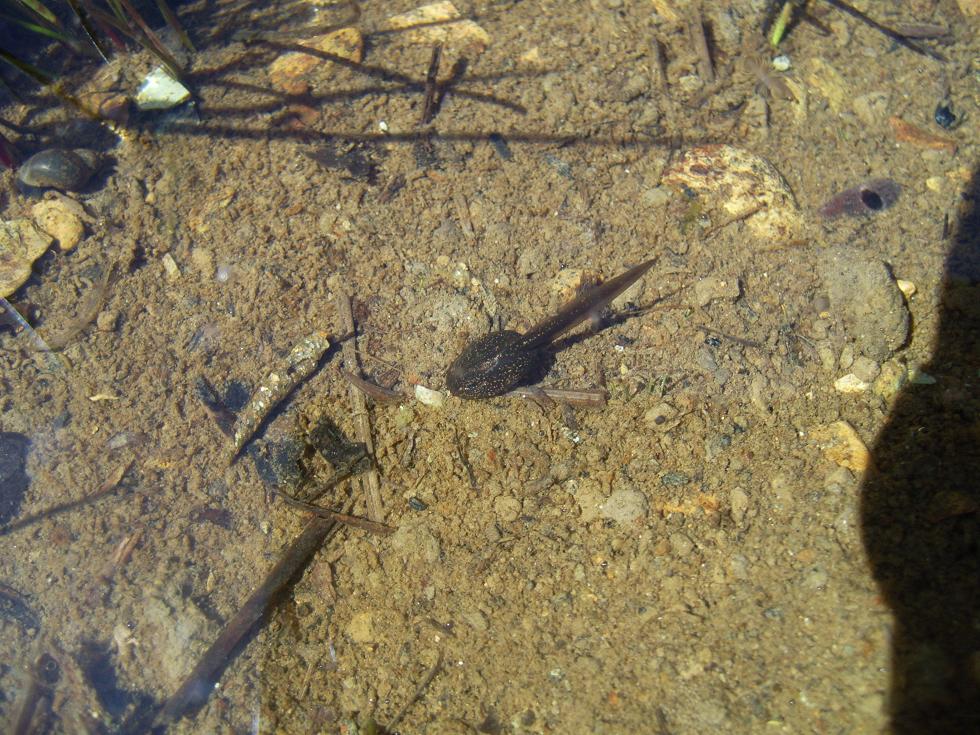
<point x="302" y="360"/>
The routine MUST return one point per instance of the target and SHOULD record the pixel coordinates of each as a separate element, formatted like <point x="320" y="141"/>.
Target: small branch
<point x="373" y="390"/>
<point x="107" y="487"/>
<point x="364" y="524"/>
<point x="893" y="35"/>
<point x="432" y="673"/>
<point x="431" y="104"/>
<point x="370" y="484"/>
<point x="199" y="684"/>
<point x="577" y="398"/>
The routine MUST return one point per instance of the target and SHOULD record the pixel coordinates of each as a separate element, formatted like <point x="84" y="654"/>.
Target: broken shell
<point x="57" y="168"/>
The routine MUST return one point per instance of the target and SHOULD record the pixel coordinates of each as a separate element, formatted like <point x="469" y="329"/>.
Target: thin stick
<point x="370" y="484"/>
<point x="431" y="104"/>
<point x="737" y="340"/>
<point x="660" y="64"/>
<point x="436" y="667"/>
<point x="465" y="462"/>
<point x="199" y="684"/>
<point x="577" y="398"/>
<point x="463" y="212"/>
<point x="700" y="42"/>
<point x="893" y="35"/>
<point x="107" y="487"/>
<point x="348" y="520"/>
<point x="373" y="390"/>
<point x="11" y="316"/>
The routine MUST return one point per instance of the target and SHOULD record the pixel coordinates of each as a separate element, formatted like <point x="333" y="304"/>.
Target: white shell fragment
<point x="429" y="397"/>
<point x="850" y="383"/>
<point x="160" y="91"/>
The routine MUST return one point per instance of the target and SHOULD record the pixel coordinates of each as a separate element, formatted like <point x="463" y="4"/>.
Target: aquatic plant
<point x="104" y="24"/>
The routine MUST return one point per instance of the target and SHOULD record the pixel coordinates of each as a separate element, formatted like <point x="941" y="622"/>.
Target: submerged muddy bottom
<point x="770" y="526"/>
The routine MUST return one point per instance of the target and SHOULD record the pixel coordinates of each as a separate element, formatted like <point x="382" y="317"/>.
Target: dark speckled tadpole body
<point x="501" y="361"/>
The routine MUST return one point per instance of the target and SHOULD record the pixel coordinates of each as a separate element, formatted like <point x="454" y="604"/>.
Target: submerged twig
<point x="700" y="41"/>
<point x="364" y="524"/>
<point x="431" y="103"/>
<point x="302" y="360"/>
<point x="199" y="684"/>
<point x="430" y="675"/>
<point x="893" y="35"/>
<point x="465" y="462"/>
<point x="373" y="390"/>
<point x="107" y="487"/>
<point x="19" y="325"/>
<point x="660" y="64"/>
<point x="370" y="483"/>
<point x="577" y="398"/>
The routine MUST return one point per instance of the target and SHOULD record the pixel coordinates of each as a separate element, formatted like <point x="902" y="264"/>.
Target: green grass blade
<point x="41" y="11"/>
<point x="171" y="18"/>
<point x="38" y="75"/>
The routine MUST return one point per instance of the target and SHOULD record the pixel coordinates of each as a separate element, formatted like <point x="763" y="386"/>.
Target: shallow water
<point x="692" y="557"/>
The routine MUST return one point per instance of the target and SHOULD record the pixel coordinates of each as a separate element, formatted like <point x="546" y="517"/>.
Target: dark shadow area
<point x="919" y="508"/>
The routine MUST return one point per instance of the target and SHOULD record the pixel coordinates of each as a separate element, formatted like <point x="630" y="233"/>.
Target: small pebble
<point x="680" y="544"/>
<point x="660" y="417"/>
<point x="711" y="289"/>
<point x="865" y="369"/>
<point x="740" y="505"/>
<point x="918" y="377"/>
<point x="507" y="508"/>
<point x="674" y="479"/>
<point x="892" y="377"/>
<point x="106" y="321"/>
<point x="850" y="383"/>
<point x="160" y="91"/>
<point x="58" y="220"/>
<point x="361" y="628"/>
<point x="781" y="63"/>
<point x="842" y="446"/>
<point x="429" y="397"/>
<point x="21" y="243"/>
<point x="57" y="168"/>
<point x="170" y="266"/>
<point x="624" y="506"/>
<point x="944" y="116"/>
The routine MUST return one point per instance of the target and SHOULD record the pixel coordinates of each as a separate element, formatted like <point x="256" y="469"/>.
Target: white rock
<point x="781" y="63"/>
<point x="850" y="383"/>
<point x="160" y="91"/>
<point x="429" y="397"/>
<point x="906" y="287"/>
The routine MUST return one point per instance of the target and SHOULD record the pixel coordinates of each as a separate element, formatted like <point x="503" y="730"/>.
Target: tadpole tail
<point x="582" y="306"/>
